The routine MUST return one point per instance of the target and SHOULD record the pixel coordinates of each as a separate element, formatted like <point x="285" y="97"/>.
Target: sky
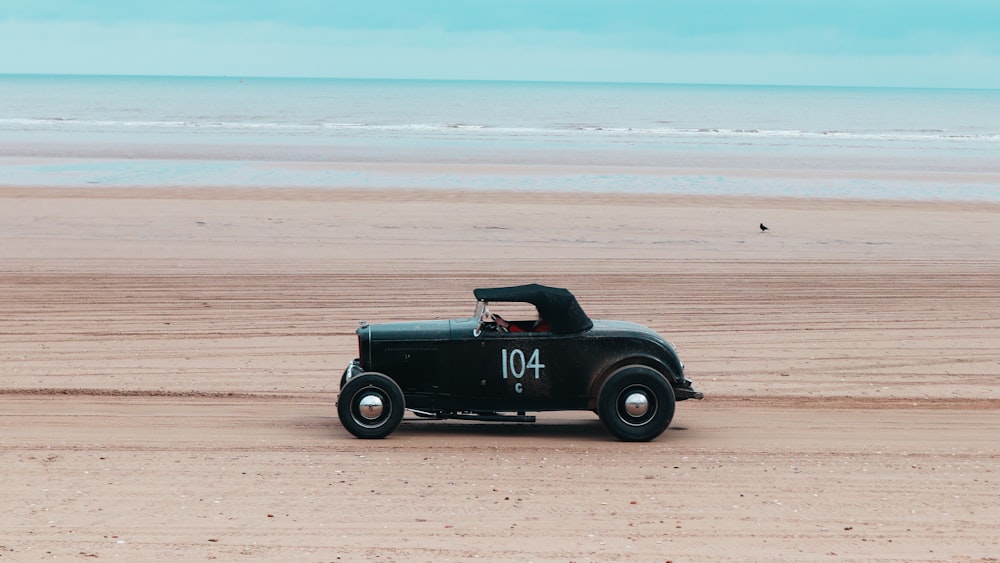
<point x="901" y="43"/>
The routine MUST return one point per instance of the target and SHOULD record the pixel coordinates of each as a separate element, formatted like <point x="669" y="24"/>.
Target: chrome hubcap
<point x="636" y="404"/>
<point x="370" y="407"/>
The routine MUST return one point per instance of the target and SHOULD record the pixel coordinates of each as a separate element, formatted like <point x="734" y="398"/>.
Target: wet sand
<point x="171" y="358"/>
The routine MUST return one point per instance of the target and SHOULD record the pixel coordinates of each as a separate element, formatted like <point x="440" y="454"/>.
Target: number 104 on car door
<point x="514" y="364"/>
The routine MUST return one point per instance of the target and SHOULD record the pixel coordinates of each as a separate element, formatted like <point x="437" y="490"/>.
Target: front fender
<point x="353" y="369"/>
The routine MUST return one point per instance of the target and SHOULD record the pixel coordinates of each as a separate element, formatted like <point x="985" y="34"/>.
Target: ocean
<point x="119" y="131"/>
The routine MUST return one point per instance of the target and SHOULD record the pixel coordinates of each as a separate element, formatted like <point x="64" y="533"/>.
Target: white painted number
<point x="513" y="364"/>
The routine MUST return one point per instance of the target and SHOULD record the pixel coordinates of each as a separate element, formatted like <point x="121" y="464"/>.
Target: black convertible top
<point x="555" y="304"/>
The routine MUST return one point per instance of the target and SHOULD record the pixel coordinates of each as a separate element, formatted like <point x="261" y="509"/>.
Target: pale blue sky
<point x="942" y="44"/>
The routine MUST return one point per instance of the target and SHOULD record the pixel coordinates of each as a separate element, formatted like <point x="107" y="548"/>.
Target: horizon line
<point x="487" y="80"/>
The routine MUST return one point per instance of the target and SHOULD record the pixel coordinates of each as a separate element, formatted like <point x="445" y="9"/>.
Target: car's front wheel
<point x="636" y="404"/>
<point x="370" y="405"/>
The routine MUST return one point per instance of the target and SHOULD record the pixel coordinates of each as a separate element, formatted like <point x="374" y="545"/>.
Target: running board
<point x="484" y="417"/>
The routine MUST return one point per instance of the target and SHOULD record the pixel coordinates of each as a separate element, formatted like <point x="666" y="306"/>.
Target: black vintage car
<point x="487" y="368"/>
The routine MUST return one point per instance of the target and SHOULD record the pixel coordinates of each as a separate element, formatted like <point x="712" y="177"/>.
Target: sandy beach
<point x="170" y="360"/>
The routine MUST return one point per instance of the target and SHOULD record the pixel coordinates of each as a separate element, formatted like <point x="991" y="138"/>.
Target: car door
<point x="516" y="371"/>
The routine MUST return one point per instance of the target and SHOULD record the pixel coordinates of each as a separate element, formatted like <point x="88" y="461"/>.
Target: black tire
<point x="359" y="397"/>
<point x="638" y="423"/>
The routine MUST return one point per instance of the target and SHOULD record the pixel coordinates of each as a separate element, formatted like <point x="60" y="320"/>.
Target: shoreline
<point x="312" y="193"/>
<point x="717" y="176"/>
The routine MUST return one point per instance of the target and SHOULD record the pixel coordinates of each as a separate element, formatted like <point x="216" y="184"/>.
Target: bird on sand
<point x="762" y="227"/>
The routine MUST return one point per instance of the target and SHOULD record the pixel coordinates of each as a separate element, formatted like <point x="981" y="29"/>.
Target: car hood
<point x="411" y="330"/>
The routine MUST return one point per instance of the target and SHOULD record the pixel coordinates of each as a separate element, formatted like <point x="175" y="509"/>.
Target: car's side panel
<point x="626" y="343"/>
<point x="414" y="355"/>
<point x="516" y="371"/>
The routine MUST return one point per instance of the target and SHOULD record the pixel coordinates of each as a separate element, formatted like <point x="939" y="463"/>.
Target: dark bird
<point x="762" y="227"/>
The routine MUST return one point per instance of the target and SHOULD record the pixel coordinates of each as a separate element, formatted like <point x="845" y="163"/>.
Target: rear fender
<point x="647" y="360"/>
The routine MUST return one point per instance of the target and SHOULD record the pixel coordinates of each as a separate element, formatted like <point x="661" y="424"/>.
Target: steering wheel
<point x="501" y="327"/>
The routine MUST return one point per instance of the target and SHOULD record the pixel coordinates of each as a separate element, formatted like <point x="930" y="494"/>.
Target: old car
<point x="488" y="368"/>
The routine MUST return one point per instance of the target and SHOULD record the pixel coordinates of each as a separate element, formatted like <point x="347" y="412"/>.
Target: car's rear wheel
<point x="370" y="405"/>
<point x="636" y="404"/>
